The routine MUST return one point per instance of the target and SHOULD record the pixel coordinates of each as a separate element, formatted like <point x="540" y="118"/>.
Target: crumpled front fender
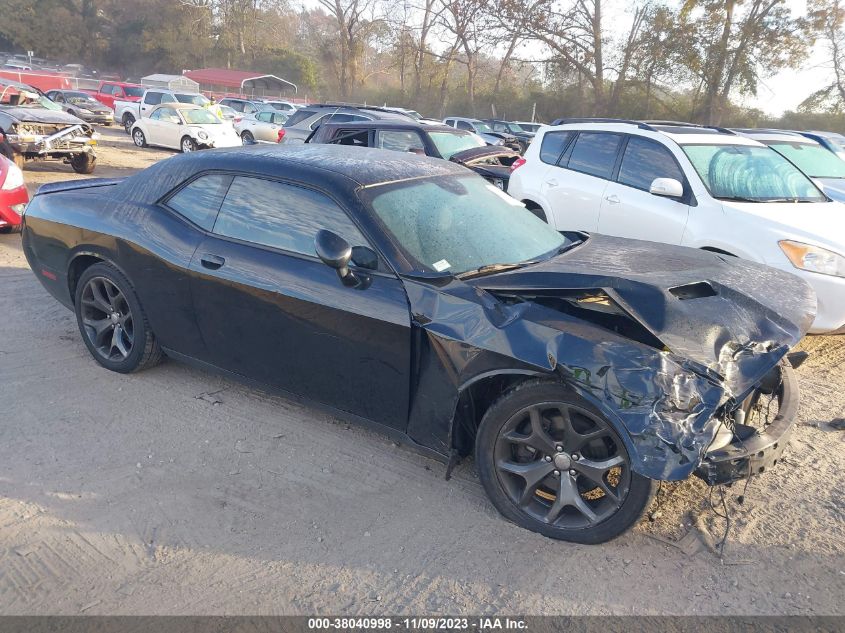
<point x="661" y="407"/>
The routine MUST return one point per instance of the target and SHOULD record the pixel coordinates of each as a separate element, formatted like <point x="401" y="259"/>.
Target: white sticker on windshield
<point x="441" y="265"/>
<point x="504" y="196"/>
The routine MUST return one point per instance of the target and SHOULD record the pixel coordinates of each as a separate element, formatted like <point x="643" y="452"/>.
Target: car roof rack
<point x="341" y="104"/>
<point x="643" y="125"/>
<point x="766" y="130"/>
<point x="722" y="130"/>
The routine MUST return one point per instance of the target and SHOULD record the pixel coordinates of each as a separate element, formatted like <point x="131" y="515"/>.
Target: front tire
<point x="138" y="138"/>
<point x="188" y="145"/>
<point x="112" y="322"/>
<point x="128" y="122"/>
<point x="552" y="463"/>
<point x="84" y="163"/>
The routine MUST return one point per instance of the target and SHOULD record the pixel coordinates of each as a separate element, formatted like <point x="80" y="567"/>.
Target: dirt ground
<point x="175" y="491"/>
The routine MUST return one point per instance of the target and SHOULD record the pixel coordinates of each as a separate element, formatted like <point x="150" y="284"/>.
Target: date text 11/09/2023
<point x="418" y="624"/>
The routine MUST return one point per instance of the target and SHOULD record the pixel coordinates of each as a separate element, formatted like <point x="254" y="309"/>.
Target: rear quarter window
<point x="553" y="145"/>
<point x="299" y="116"/>
<point x="200" y="200"/>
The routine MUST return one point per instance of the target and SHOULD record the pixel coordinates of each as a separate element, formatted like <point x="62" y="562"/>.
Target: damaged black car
<point x="414" y="297"/>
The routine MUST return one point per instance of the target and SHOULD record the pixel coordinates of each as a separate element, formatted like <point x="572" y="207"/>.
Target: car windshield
<point x="199" y="100"/>
<point x="515" y="127"/>
<point x="461" y="223"/>
<point x="480" y="126"/>
<point x="450" y="143"/>
<point x="199" y="117"/>
<point x="530" y="127"/>
<point x="747" y="173"/>
<point x="813" y="160"/>
<point x="133" y="92"/>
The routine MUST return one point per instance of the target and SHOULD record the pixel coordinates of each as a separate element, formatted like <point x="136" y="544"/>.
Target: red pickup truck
<point x="108" y="91"/>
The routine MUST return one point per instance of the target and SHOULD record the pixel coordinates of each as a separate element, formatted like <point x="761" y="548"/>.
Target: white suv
<point x="697" y="186"/>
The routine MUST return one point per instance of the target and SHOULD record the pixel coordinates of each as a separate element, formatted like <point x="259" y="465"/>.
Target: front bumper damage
<point x="757" y="453"/>
<point x="71" y="140"/>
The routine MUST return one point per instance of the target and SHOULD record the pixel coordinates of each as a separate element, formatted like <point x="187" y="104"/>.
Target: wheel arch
<point x="477" y="395"/>
<point x="81" y="261"/>
<point x="537" y="209"/>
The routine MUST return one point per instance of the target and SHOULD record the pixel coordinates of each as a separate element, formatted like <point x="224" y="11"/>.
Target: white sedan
<point x="185" y="127"/>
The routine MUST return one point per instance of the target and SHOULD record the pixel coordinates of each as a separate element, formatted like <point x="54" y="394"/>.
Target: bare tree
<point x="734" y="39"/>
<point x="355" y="19"/>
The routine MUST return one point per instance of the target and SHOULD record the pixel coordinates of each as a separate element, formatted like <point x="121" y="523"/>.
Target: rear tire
<point x="112" y="322"/>
<point x="552" y="463"/>
<point x="247" y="138"/>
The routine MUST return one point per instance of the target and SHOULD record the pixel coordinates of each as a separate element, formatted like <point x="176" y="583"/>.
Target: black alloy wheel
<point x="112" y="322"/>
<point x="555" y="465"/>
<point x="107" y="318"/>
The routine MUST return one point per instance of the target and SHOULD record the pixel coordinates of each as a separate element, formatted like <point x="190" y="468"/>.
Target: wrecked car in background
<point x="493" y="162"/>
<point x="38" y="129"/>
<point x="415" y="297"/>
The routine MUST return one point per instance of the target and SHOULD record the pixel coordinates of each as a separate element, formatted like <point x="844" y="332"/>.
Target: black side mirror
<point x="336" y="253"/>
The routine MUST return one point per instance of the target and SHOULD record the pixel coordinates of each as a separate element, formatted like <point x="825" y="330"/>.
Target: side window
<point x="279" y="119"/>
<point x="156" y="116"/>
<point x="168" y="98"/>
<point x="361" y="138"/>
<point x="200" y="200"/>
<point x="553" y="145"/>
<point x="281" y="216"/>
<point x="645" y="160"/>
<point x="152" y="98"/>
<point x="249" y="108"/>
<point x="595" y="153"/>
<point x="169" y="115"/>
<point x="463" y="125"/>
<point x="400" y="141"/>
<point x="450" y="122"/>
<point x="264" y="116"/>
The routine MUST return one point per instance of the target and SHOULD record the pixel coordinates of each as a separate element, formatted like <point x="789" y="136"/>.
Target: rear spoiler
<point x="71" y="185"/>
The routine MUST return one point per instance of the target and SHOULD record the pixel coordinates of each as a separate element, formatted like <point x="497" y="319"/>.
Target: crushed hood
<point x="731" y="316"/>
<point x="488" y="151"/>
<point x="43" y="115"/>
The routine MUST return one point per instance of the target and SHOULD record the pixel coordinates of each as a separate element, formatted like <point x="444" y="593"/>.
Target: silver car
<point x="83" y="105"/>
<point x="261" y="127"/>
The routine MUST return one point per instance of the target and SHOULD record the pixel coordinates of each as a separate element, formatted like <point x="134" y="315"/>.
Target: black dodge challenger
<point x="413" y="296"/>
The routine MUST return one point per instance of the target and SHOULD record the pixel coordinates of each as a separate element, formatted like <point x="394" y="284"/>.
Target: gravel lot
<point x="176" y="491"/>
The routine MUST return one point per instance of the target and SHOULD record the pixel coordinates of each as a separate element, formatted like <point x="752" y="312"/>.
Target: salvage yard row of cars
<point x="617" y="306"/>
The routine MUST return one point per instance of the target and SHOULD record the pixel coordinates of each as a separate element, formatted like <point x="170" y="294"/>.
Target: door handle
<point x="612" y="199"/>
<point x="212" y="262"/>
<point x="552" y="182"/>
